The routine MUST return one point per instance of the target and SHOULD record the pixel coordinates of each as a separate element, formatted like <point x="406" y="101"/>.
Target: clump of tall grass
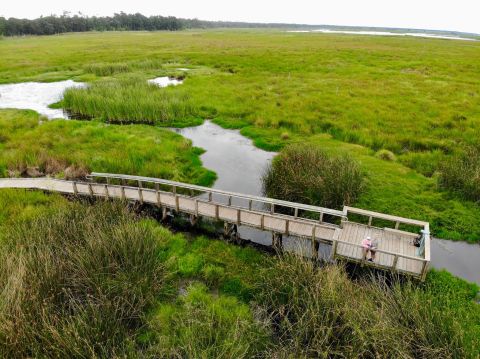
<point x="201" y="325"/>
<point x="461" y="174"/>
<point x="106" y="69"/>
<point x="132" y="100"/>
<point x="77" y="283"/>
<point x="307" y="174"/>
<point x="322" y="313"/>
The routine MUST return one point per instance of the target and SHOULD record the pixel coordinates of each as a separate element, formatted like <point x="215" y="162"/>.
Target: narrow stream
<point x="239" y="166"/>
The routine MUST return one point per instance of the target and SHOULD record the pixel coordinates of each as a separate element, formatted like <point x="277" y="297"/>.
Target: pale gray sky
<point x="459" y="15"/>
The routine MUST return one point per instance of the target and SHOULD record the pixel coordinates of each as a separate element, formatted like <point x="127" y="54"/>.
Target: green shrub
<point x="307" y="174"/>
<point x="461" y="174"/>
<point x="386" y="155"/>
<point x="76" y="283"/>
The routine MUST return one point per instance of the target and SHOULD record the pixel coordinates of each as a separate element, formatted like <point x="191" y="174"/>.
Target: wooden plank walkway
<point x="395" y="251"/>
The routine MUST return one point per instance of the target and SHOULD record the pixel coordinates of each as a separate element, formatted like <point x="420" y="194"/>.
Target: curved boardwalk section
<point x="344" y="230"/>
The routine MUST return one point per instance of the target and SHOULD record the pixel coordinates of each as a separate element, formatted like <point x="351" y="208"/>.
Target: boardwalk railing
<point x="238" y="199"/>
<point x="398" y="221"/>
<point x="316" y="224"/>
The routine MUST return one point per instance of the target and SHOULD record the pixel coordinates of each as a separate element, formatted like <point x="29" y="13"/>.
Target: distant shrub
<point x="76" y="283"/>
<point x="285" y="136"/>
<point x="461" y="174"/>
<point x="307" y="174"/>
<point x="386" y="155"/>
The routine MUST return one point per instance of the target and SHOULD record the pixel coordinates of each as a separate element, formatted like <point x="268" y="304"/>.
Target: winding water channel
<point x="238" y="164"/>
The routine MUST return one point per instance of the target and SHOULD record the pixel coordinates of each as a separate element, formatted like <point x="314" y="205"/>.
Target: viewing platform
<point x="343" y="230"/>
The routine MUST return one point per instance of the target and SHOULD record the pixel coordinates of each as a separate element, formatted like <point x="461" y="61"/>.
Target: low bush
<point x="77" y="283"/>
<point x="386" y="155"/>
<point x="461" y="174"/>
<point x="307" y="174"/>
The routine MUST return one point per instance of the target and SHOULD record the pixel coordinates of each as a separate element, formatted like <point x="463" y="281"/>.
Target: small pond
<point x="36" y="96"/>
<point x="165" y="81"/>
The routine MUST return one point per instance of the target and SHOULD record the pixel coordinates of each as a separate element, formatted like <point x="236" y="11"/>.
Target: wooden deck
<point x="395" y="252"/>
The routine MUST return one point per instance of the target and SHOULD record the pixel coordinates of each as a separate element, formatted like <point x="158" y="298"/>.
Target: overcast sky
<point x="459" y="15"/>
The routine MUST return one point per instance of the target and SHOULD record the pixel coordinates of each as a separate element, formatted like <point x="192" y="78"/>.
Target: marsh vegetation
<point x="164" y="295"/>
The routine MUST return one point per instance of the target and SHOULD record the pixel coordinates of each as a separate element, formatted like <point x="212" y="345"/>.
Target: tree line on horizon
<point x="53" y="24"/>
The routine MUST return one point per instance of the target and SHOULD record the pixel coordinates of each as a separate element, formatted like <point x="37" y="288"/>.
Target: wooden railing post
<point x="75" y="189"/>
<point x="122" y="190"/>
<point x="334" y="250"/>
<point x="140" y="195"/>
<point x="296" y="213"/>
<point x="106" y="191"/>
<point x="250" y="205"/>
<point x="321" y="217"/>
<point x="229" y="201"/>
<point x="272" y="208"/>
<point x="209" y="196"/>
<point x="395" y="260"/>
<point x="370" y="221"/>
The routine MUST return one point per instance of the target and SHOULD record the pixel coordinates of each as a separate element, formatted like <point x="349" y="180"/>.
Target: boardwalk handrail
<point x="233" y="214"/>
<point x="266" y="200"/>
<point x="397" y="220"/>
<point x="393" y="254"/>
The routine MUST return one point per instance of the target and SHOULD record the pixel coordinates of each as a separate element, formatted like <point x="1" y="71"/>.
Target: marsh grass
<point x="307" y="174"/>
<point x="132" y="100"/>
<point x="322" y="313"/>
<point x="62" y="148"/>
<point x="77" y="283"/>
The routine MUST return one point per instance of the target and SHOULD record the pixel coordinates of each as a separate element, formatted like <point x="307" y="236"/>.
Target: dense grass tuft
<point x="132" y="100"/>
<point x="202" y="325"/>
<point x="322" y="313"/>
<point x="77" y="283"/>
<point x="307" y="174"/>
<point x="461" y="174"/>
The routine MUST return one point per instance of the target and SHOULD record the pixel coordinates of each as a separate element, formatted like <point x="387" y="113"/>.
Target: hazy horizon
<point x="427" y="15"/>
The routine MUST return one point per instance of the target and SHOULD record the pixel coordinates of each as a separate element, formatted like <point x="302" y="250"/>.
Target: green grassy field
<point x="418" y="98"/>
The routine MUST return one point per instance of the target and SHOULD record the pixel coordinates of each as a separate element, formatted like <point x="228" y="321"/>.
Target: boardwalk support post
<point x="75" y="189"/>
<point x="277" y="241"/>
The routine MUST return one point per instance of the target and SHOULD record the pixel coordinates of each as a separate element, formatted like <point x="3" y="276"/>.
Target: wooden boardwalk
<point x="395" y="252"/>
